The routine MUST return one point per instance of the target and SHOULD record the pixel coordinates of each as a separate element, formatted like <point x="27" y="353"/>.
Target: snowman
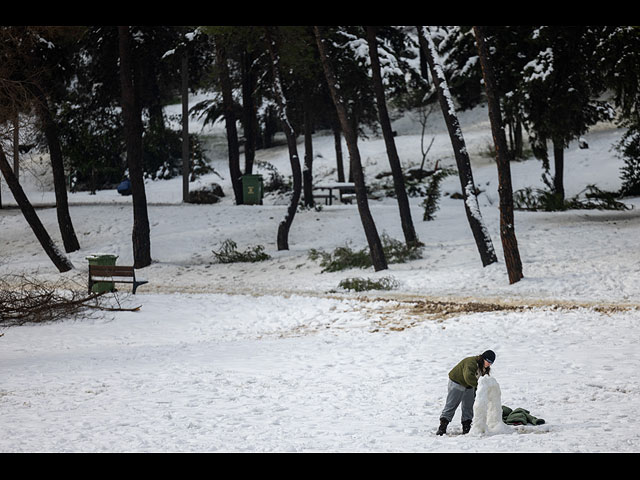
<point x="487" y="409"/>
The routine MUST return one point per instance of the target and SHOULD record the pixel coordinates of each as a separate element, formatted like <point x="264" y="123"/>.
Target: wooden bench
<point x="113" y="274"/>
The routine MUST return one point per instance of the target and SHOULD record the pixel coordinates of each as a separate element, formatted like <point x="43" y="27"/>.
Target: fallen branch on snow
<point x="28" y="300"/>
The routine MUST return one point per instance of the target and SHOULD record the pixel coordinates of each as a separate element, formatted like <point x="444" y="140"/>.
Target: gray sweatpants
<point x="457" y="394"/>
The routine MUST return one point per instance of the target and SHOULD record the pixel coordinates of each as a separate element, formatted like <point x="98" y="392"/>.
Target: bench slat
<point x="111" y="270"/>
<point x="111" y="267"/>
<point x="110" y="279"/>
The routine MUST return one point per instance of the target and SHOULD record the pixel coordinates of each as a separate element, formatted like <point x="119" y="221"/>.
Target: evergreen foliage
<point x="89" y="116"/>
<point x="432" y="194"/>
<point x="358" y="284"/>
<point x="229" y="253"/>
<point x="629" y="148"/>
<point x="591" y="198"/>
<point x="550" y="80"/>
<point x="345" y="257"/>
<point x="561" y="85"/>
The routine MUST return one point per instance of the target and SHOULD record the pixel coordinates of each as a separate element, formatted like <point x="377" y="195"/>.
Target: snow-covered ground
<point x="272" y="357"/>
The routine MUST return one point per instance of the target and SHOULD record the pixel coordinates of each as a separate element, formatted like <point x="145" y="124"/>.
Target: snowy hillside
<point x="272" y="356"/>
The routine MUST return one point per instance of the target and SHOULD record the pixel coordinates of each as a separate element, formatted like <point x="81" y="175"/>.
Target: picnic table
<point x="345" y="191"/>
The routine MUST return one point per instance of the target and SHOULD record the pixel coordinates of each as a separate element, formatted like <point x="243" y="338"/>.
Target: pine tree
<point x="59" y="260"/>
<point x="465" y="76"/>
<point x="375" y="245"/>
<point x="559" y="90"/>
<point x="507" y="223"/>
<point x="224" y="78"/>
<point x="132" y="115"/>
<point x="465" y="173"/>
<point x="619" y="50"/>
<point x="285" y="225"/>
<point x="411" y="239"/>
<point x="39" y="56"/>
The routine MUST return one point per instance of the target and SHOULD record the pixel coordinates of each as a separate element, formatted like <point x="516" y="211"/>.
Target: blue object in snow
<point x="125" y="187"/>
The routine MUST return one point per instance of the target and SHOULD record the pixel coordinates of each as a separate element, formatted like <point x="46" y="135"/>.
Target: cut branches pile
<point x="28" y="300"/>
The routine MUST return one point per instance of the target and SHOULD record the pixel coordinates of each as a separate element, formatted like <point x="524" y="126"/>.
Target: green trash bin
<point x="102" y="259"/>
<point x="252" y="189"/>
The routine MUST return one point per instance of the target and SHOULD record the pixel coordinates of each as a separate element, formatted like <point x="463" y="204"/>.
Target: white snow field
<point x="273" y="357"/>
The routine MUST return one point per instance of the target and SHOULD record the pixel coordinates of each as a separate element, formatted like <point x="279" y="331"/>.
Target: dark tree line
<point x="98" y="94"/>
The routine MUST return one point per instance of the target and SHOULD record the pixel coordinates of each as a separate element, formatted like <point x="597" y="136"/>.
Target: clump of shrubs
<point x="345" y="257"/>
<point x="548" y="201"/>
<point x="342" y="258"/>
<point x="229" y="253"/>
<point x="359" y="284"/>
<point x="206" y="194"/>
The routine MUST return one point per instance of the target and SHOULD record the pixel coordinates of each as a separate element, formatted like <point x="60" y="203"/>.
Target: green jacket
<point x="519" y="416"/>
<point x="465" y="372"/>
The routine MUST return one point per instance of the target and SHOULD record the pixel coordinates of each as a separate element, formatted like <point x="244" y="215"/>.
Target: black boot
<point x="442" y="429"/>
<point x="466" y="426"/>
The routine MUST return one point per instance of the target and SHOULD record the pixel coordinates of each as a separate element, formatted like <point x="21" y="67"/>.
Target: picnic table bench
<point x="341" y="187"/>
<point x="113" y="274"/>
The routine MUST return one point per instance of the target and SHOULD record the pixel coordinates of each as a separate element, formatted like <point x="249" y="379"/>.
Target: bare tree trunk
<point x="558" y="163"/>
<point x="507" y="225"/>
<point x="337" y="140"/>
<point x="132" y="115"/>
<point x="185" y="127"/>
<point x="375" y="245"/>
<point x="65" y="224"/>
<point x="307" y="171"/>
<point x="62" y="263"/>
<point x="518" y="138"/>
<point x="410" y="237"/>
<point x="230" y="120"/>
<point x="285" y="225"/>
<point x="249" y="108"/>
<point x="472" y="209"/>
<point x="16" y="145"/>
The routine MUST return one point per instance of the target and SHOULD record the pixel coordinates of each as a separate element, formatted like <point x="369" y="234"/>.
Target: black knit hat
<point x="489" y="356"/>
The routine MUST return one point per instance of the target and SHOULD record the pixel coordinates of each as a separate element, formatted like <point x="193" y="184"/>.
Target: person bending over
<point x="463" y="382"/>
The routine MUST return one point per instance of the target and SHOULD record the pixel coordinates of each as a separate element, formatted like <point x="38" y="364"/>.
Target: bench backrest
<point x="111" y="271"/>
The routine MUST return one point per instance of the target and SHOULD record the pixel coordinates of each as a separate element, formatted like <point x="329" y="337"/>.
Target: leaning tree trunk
<point x="411" y="239"/>
<point x="371" y="233"/>
<point x="132" y="115"/>
<point x="285" y="224"/>
<point x="507" y="225"/>
<point x="69" y="238"/>
<point x="59" y="260"/>
<point x="230" y="120"/>
<point x="472" y="209"/>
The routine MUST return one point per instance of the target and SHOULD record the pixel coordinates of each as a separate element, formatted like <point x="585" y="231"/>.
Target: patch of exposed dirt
<point x="398" y="315"/>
